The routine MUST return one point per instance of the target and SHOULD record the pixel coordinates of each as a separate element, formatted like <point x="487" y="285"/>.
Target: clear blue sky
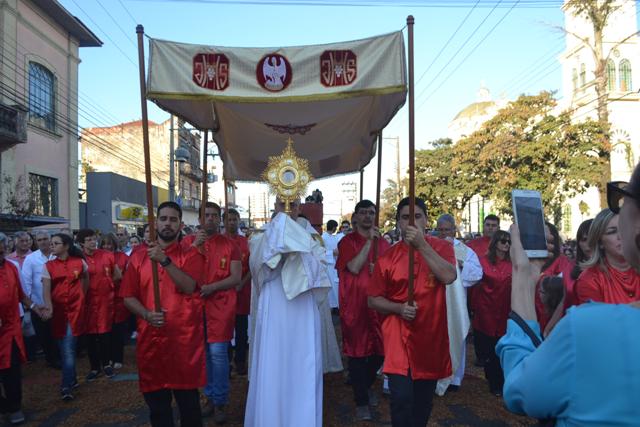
<point x="518" y="55"/>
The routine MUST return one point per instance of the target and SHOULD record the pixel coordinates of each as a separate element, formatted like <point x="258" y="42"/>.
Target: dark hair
<point x="332" y="225"/>
<point x="634" y="189"/>
<point x="552" y="288"/>
<point x="346" y="221"/>
<point x="583" y="231"/>
<point x="72" y="249"/>
<point x="229" y="211"/>
<point x="213" y="205"/>
<point x="406" y="201"/>
<point x="557" y="243"/>
<point x="144" y="227"/>
<point x="83" y="234"/>
<point x="111" y="238"/>
<point x="364" y="204"/>
<point x="491" y="217"/>
<point x="492" y="251"/>
<point x="171" y="205"/>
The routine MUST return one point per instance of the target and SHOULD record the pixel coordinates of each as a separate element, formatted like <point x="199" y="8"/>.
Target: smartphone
<point x="527" y="208"/>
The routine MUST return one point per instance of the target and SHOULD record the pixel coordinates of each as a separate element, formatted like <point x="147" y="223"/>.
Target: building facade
<point x="39" y="43"/>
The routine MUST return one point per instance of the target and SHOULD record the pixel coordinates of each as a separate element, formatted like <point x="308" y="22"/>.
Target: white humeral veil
<point x="289" y="285"/>
<point x="457" y="323"/>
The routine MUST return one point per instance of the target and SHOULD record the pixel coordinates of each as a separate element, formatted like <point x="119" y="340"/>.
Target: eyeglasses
<point x="616" y="192"/>
<point x="505" y="241"/>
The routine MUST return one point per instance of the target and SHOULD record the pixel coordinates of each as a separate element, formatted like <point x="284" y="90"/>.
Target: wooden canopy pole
<point x="378" y="189"/>
<point x="412" y="183"/>
<point x="226" y="194"/>
<point x="205" y="177"/>
<point x="147" y="165"/>
<point x="361" y="183"/>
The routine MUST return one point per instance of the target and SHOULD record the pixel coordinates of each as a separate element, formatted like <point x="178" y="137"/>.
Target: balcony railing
<point x="13" y="126"/>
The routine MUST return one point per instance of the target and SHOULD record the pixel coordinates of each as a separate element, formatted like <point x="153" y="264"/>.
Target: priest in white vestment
<point x="290" y="283"/>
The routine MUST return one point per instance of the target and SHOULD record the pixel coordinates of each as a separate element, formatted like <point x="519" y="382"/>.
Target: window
<point x="583" y="75"/>
<point x="611" y="76"/>
<point x="44" y="195"/>
<point x="625" y="76"/>
<point x="574" y="79"/>
<point x="41" y="97"/>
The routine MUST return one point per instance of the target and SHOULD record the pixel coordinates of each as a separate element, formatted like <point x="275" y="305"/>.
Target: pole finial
<point x="410" y="20"/>
<point x="139" y="29"/>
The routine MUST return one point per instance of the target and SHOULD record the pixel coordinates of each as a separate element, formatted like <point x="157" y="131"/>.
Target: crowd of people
<point x="408" y="302"/>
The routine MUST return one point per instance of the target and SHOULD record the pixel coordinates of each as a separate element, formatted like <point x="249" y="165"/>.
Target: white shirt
<point x="32" y="275"/>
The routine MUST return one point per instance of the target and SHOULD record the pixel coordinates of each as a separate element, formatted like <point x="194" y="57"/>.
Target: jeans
<point x="67" y="346"/>
<point x="411" y="400"/>
<point x="99" y="349"/>
<point x="11" y="381"/>
<point x="362" y="371"/>
<point x="217" y="388"/>
<point x="160" y="411"/>
<point x="47" y="342"/>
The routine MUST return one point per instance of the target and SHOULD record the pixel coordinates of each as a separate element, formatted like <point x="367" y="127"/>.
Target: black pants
<point x="362" y="371"/>
<point x="11" y="378"/>
<point x="411" y="400"/>
<point x="119" y="335"/>
<point x="99" y="349"/>
<point x="242" y="326"/>
<point x="161" y="414"/>
<point x="486" y="348"/>
<point x="47" y="342"/>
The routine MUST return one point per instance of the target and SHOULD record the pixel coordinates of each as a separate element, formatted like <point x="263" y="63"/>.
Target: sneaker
<point x="220" y="415"/>
<point x="108" y="371"/>
<point x="66" y="395"/>
<point x="373" y="399"/>
<point x="75" y="385"/>
<point x="16" y="417"/>
<point x="117" y="365"/>
<point x="363" y="413"/>
<point x="93" y="375"/>
<point x="134" y="335"/>
<point x="207" y="409"/>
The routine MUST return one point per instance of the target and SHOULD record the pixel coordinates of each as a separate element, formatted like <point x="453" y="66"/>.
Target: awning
<point x="331" y="99"/>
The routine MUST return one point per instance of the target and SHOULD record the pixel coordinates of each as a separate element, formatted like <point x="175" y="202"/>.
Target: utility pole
<point x="172" y="179"/>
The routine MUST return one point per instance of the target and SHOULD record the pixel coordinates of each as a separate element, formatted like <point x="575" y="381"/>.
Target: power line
<point x="442" y="4"/>
<point x="134" y="20"/>
<point x="127" y="35"/>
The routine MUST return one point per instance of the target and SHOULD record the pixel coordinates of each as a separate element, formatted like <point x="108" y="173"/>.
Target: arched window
<point x="574" y="79"/>
<point x="42" y="96"/>
<point x="583" y="75"/>
<point x="625" y="76"/>
<point x="611" y="75"/>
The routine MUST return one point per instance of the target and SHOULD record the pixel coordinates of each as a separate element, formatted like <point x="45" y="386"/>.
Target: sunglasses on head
<point x="505" y="241"/>
<point x="616" y="192"/>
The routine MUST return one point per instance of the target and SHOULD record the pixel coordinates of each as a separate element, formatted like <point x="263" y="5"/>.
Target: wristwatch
<point x="165" y="262"/>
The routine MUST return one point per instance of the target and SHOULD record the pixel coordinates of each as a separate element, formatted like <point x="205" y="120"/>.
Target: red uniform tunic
<point x="121" y="314"/>
<point x="67" y="296"/>
<point x="220" y="306"/>
<point x="101" y="293"/>
<point x="611" y="286"/>
<point x="480" y="246"/>
<point x="361" y="334"/>
<point x="421" y="345"/>
<point x="170" y="357"/>
<point x="11" y="294"/>
<point x="493" y="298"/>
<point x="243" y="305"/>
<point x="561" y="266"/>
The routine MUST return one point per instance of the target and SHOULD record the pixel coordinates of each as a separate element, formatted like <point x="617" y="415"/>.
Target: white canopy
<point x="331" y="99"/>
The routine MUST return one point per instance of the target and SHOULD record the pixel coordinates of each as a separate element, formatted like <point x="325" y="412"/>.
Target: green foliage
<point x="524" y="146"/>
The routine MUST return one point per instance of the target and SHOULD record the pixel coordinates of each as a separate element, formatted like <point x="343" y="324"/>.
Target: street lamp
<point x="180" y="155"/>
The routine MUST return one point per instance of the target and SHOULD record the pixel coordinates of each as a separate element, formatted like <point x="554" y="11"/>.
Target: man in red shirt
<point x="231" y="222"/>
<point x="416" y="340"/>
<point x="361" y="337"/>
<point x="99" y="303"/>
<point x="169" y="348"/>
<point x="222" y="273"/>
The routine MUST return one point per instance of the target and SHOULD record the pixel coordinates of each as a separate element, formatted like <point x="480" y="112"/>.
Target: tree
<point x="525" y="146"/>
<point x="598" y="13"/>
<point x="17" y="204"/>
<point x="389" y="201"/>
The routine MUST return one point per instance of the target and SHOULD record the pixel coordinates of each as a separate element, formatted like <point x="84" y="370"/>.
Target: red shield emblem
<point x="273" y="72"/>
<point x="338" y="68"/>
<point x="211" y="71"/>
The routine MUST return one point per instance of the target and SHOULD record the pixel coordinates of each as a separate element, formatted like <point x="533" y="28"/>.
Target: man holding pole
<point x="169" y="350"/>
<point x="415" y="334"/>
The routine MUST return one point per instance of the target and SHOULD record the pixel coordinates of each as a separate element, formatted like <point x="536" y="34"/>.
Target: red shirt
<point x="480" y="245"/>
<point x="421" y="345"/>
<point x="360" y="325"/>
<point x="560" y="266"/>
<point x="121" y="314"/>
<point x="611" y="286"/>
<point x="243" y="305"/>
<point x="101" y="293"/>
<point x="67" y="296"/>
<point x="492" y="298"/>
<point x="11" y="294"/>
<point x="170" y="357"/>
<point x="220" y="306"/>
